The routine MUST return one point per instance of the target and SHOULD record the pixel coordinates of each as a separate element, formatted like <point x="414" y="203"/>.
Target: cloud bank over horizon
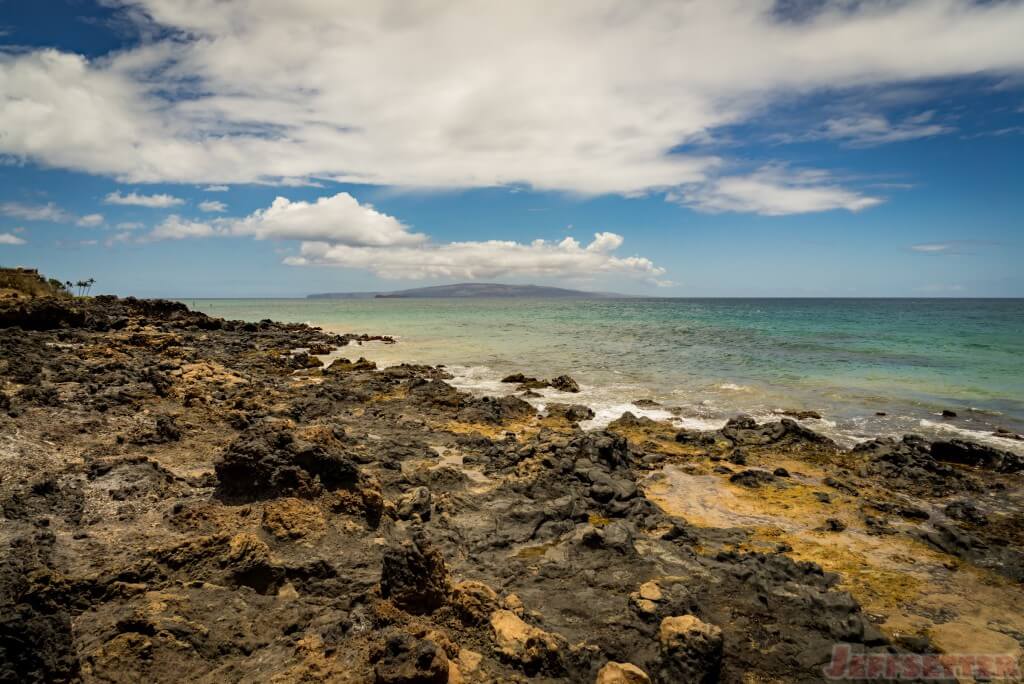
<point x="339" y="231"/>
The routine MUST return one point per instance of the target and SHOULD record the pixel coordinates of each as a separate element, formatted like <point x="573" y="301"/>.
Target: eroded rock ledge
<point x="187" y="498"/>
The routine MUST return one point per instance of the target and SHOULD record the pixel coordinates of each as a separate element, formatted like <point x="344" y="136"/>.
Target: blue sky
<point x="199" y="148"/>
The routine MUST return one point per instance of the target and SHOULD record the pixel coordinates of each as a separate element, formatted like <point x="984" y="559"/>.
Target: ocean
<point x="705" y="360"/>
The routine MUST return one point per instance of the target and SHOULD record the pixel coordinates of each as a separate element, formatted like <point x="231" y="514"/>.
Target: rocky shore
<point x="184" y="498"/>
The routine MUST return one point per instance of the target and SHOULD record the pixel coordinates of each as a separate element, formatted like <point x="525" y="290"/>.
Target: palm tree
<point x="81" y="287"/>
<point x="88" y="285"/>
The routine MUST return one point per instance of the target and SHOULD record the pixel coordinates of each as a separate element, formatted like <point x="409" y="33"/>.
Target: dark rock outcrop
<point x="745" y="431"/>
<point x="406" y="659"/>
<point x="268" y="461"/>
<point x="564" y="383"/>
<point x="977" y="455"/>
<point x="414" y="576"/>
<point x="691" y="650"/>
<point x="573" y="413"/>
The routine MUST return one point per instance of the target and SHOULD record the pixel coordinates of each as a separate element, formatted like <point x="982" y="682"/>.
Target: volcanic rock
<point x="691" y="650"/>
<point x="408" y="660"/>
<point x="414" y="576"/>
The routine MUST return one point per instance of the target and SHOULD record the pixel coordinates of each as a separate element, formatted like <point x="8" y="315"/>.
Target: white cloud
<point x="48" y="212"/>
<point x="932" y="247"/>
<point x="339" y="231"/>
<point x="123" y="236"/>
<point x="483" y="259"/>
<point x="161" y="201"/>
<point x="11" y="239"/>
<point x="868" y="130"/>
<point x="130" y="225"/>
<point x="337" y="219"/>
<point x="33" y="212"/>
<point x="90" y="220"/>
<point x="175" y="227"/>
<point x="589" y="96"/>
<point x="212" y="207"/>
<point x="952" y="247"/>
<point x="216" y="188"/>
<point x="772" y="191"/>
<point x="604" y="243"/>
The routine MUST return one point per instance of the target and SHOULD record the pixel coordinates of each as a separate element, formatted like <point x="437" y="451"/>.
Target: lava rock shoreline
<point x="188" y="498"/>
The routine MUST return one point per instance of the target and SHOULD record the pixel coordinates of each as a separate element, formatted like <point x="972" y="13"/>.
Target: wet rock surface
<point x="185" y="498"/>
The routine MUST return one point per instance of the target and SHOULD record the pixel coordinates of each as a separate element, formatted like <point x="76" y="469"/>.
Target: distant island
<point x="468" y="290"/>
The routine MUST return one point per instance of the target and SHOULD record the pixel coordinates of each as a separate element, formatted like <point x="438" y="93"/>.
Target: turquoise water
<point x="708" y="359"/>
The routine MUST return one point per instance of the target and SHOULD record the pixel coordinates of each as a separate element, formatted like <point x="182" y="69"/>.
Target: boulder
<point x="977" y="455"/>
<point x="799" y="414"/>
<point x="473" y="601"/>
<point x="646" y="403"/>
<point x="345" y="366"/>
<point x="406" y="659"/>
<point x="691" y="650"/>
<point x="437" y="392"/>
<point x="415" y="503"/>
<point x="908" y="464"/>
<point x="164" y="430"/>
<point x="752" y="477"/>
<point x="650" y="591"/>
<point x="621" y="673"/>
<point x="414" y="576"/>
<point x="268" y="461"/>
<point x="303" y="360"/>
<point x="564" y="383"/>
<point x="744" y="431"/>
<point x="496" y="410"/>
<point x="518" y="378"/>
<point x="572" y="413"/>
<point x="517" y="642"/>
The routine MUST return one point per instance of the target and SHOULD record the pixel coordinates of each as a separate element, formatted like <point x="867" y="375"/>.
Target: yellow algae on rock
<point x="621" y="673"/>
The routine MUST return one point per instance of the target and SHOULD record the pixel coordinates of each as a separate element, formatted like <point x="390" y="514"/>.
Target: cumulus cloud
<point x="337" y="219"/>
<point x="11" y="239"/>
<point x="589" y="96"/>
<point x="90" y="220"/>
<point x="35" y="212"/>
<point x="483" y="259"/>
<point x="340" y="231"/>
<point x="212" y="207"/>
<point x="773" y="191"/>
<point x="215" y="188"/>
<point x="134" y="199"/>
<point x="175" y="227"/>
<point x="130" y="225"/>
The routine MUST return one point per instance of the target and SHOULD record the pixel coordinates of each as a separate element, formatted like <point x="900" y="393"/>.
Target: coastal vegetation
<point x="29" y="282"/>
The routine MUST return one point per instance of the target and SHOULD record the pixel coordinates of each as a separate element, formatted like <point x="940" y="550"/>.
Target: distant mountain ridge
<point x="468" y="290"/>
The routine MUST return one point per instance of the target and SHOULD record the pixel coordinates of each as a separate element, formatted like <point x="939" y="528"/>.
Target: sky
<point x="257" y="148"/>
